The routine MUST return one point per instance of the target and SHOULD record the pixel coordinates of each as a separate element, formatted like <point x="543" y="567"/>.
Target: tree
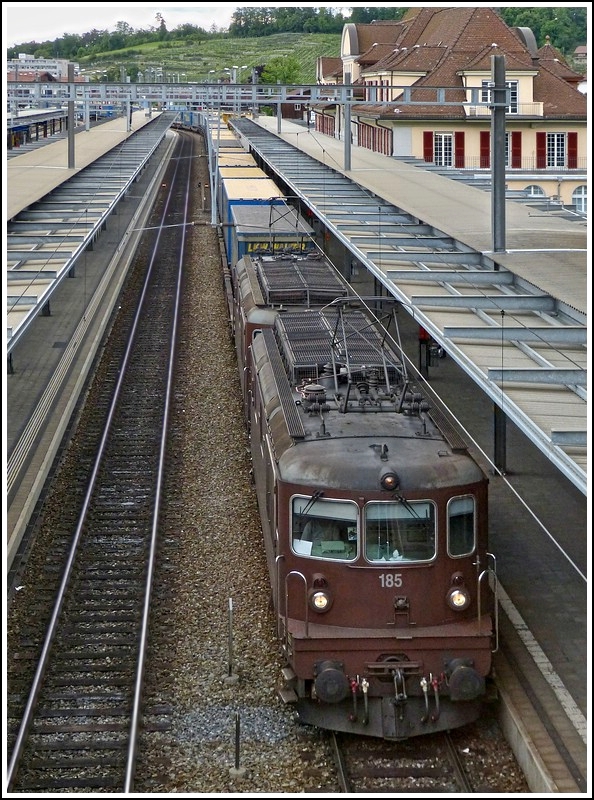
<point x="566" y="26"/>
<point x="162" y="27"/>
<point x="367" y="14"/>
<point x="124" y="29"/>
<point x="281" y="69"/>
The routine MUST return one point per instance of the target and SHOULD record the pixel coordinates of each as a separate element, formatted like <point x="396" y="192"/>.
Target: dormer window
<point x="511" y="86"/>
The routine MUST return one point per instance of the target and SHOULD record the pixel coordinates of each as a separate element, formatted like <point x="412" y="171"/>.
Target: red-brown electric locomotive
<point x="373" y="512"/>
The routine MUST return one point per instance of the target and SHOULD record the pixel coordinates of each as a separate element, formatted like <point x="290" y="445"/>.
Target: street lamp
<point x="233" y="72"/>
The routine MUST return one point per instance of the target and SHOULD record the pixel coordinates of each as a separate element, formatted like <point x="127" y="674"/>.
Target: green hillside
<point x="202" y="62"/>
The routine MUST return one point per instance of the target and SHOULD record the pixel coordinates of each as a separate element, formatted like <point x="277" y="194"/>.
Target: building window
<point x="443" y="149"/>
<point x="534" y="191"/>
<point x="511" y="86"/>
<point x="580" y="199"/>
<point x="555" y="149"/>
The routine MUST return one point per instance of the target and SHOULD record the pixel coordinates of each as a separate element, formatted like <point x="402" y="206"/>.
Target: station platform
<point x="50" y="363"/>
<point x="34" y="174"/>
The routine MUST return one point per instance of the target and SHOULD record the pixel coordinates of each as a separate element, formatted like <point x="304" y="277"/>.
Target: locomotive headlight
<point x="389" y="480"/>
<point x="458" y="598"/>
<point x="320" y="601"/>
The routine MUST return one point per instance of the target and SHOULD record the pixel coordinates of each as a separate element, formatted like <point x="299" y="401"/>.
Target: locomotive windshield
<point x="461" y="526"/>
<point x="393" y="531"/>
<point x="400" y="531"/>
<point x="325" y="528"/>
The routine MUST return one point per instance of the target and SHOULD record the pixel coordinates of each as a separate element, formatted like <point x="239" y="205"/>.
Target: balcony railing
<point x="520" y="110"/>
<point x="526" y="164"/>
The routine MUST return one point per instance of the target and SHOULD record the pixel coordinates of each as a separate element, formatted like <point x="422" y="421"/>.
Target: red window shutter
<point x="516" y="149"/>
<point x="485" y="149"/>
<point x="459" y="149"/>
<point x="428" y="145"/>
<point x="541" y="150"/>
<point x="572" y="150"/>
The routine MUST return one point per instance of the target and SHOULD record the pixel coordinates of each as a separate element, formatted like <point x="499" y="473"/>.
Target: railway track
<point x="75" y="710"/>
<point x="424" y="764"/>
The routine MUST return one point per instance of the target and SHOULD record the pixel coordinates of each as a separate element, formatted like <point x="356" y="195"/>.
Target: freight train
<point x="374" y="514"/>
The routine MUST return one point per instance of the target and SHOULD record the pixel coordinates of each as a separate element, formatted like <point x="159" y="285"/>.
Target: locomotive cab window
<point x="402" y="531"/>
<point x="324" y="528"/>
<point x="461" y="526"/>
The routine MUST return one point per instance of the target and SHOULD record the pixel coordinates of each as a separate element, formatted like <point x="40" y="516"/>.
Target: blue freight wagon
<point x="245" y="192"/>
<point x="270" y="228"/>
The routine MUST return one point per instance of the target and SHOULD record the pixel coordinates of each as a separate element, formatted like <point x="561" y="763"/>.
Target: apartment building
<point x="397" y="68"/>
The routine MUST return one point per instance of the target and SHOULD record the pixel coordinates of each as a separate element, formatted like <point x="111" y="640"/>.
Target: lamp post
<point x="243" y="66"/>
<point x="234" y="75"/>
<point x="237" y="74"/>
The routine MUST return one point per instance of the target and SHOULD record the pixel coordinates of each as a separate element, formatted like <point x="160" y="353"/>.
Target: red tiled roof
<point x="554" y="60"/>
<point x="377" y="52"/>
<point x="443" y="43"/>
<point x="517" y="61"/>
<point x="560" y="100"/>
<point x="415" y="59"/>
<point x="329" y="67"/>
<point x="376" y="33"/>
<point x="30" y="76"/>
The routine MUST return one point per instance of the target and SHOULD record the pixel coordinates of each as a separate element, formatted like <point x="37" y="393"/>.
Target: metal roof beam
<point x="569" y="438"/>
<point x="558" y="377"/>
<point x="446" y="257"/>
<point x="232" y="95"/>
<point x="404" y="241"/>
<point x="25" y="275"/>
<point x="21" y="300"/>
<point x="15" y="239"/>
<point x="550" y="335"/>
<point x="80" y="200"/>
<point x="404" y="227"/>
<point x="42" y="224"/>
<point x="358" y="215"/>
<point x="47" y="217"/>
<point x="38" y="255"/>
<point x="512" y="302"/>
<point x="472" y="277"/>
